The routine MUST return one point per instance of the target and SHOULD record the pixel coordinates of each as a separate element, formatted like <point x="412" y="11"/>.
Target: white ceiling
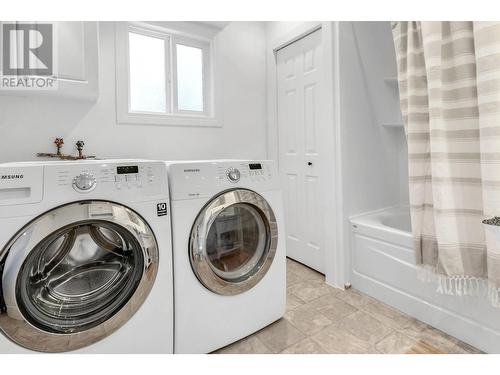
<point x="215" y="24"/>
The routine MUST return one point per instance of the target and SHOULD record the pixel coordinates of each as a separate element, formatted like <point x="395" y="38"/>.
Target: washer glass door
<point x="72" y="271"/>
<point x="233" y="242"/>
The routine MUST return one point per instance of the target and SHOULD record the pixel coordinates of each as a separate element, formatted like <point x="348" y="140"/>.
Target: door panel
<point x="292" y="212"/>
<point x="313" y="235"/>
<point x="292" y="120"/>
<point x="310" y="119"/>
<point x="299" y="83"/>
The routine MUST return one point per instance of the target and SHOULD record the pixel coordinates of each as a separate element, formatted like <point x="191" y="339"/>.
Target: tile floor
<point x="322" y="319"/>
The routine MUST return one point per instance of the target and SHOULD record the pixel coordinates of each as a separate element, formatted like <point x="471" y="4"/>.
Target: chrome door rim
<point x="18" y="328"/>
<point x="200" y="263"/>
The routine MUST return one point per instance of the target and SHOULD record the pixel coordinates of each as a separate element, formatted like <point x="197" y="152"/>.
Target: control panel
<point x="134" y="176"/>
<point x="108" y="177"/>
<point x="244" y="172"/>
<point x="205" y="179"/>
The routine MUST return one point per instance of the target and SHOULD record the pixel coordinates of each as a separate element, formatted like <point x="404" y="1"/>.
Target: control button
<point x="233" y="174"/>
<point x="84" y="182"/>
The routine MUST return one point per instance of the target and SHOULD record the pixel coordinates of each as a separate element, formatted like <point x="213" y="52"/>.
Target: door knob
<point x="309" y="163"/>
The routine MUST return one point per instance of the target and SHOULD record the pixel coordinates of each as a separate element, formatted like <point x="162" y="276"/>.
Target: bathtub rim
<point x="365" y="224"/>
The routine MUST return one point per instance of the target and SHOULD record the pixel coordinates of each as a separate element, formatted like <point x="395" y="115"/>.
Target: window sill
<point x="167" y="120"/>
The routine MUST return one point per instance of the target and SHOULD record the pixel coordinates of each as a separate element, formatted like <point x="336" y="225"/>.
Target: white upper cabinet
<point x="75" y="61"/>
<point x="77" y="70"/>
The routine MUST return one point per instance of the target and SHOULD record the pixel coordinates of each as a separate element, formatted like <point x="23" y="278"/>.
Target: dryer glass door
<point x="74" y="270"/>
<point x="233" y="242"/>
<point x="236" y="241"/>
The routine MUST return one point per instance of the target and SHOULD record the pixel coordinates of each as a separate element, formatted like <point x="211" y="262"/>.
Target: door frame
<point x="335" y="251"/>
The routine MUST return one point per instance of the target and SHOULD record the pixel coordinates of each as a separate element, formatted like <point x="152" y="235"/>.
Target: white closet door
<point x="300" y="83"/>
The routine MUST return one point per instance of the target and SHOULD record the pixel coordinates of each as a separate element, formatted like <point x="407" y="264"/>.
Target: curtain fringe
<point x="459" y="285"/>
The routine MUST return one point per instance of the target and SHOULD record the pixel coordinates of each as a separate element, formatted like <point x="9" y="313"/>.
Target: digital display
<point x="127" y="169"/>
<point x="255" y="166"/>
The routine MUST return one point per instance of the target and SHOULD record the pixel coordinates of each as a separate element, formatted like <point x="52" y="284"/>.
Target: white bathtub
<point x="383" y="266"/>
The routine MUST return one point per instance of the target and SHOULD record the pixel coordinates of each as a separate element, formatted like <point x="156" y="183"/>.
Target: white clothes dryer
<point x="229" y="251"/>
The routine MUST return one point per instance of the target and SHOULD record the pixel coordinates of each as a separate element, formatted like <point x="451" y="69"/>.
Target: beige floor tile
<point x="421" y="331"/>
<point x="354" y="297"/>
<point x="306" y="346"/>
<point x="307" y="319"/>
<point x="336" y="339"/>
<point x="280" y="335"/>
<point x="395" y="343"/>
<point x="292" y="278"/>
<point x="310" y="289"/>
<point x="248" y="345"/>
<point x="332" y="307"/>
<point x="365" y="327"/>
<point x="292" y="301"/>
<point x="289" y="262"/>
<point x="468" y="348"/>
<point x="323" y="319"/>
<point x="414" y="328"/>
<point x="304" y="272"/>
<point x="388" y="315"/>
<point x="293" y="265"/>
<point x="441" y="341"/>
<point x="423" y="347"/>
<point x="309" y="274"/>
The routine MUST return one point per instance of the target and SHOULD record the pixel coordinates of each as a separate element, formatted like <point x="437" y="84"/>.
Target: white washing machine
<point x="229" y="251"/>
<point x="85" y="257"/>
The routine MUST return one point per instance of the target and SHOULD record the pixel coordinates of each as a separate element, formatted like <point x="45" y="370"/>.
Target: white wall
<point x="29" y="124"/>
<point x="373" y="157"/>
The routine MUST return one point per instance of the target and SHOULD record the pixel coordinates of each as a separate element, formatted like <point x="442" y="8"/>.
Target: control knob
<point x="84" y="182"/>
<point x="233" y="174"/>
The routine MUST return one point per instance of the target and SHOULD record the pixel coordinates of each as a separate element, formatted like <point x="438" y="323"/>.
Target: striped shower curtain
<point x="449" y="85"/>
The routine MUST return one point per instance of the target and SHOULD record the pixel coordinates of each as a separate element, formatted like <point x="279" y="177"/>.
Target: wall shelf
<point x="393" y="85"/>
<point x="393" y="125"/>
<point x="391" y="80"/>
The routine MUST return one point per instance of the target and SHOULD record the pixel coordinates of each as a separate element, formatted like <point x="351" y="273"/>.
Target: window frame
<point x="172" y="116"/>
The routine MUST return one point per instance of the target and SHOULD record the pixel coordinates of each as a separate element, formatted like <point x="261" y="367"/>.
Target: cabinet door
<point x="76" y="61"/>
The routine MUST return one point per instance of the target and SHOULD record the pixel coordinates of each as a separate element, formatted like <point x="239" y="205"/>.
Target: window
<point x="147" y="88"/>
<point x="189" y="63"/>
<point x="163" y="77"/>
